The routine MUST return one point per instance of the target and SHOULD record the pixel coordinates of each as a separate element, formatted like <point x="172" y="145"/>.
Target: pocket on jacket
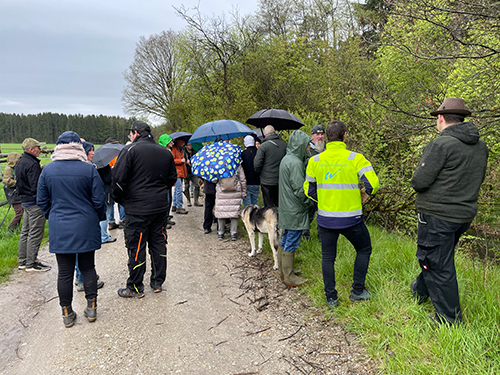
<point x="428" y="243"/>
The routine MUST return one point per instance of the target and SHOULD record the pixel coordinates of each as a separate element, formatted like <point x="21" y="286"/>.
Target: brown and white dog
<point x="262" y="220"/>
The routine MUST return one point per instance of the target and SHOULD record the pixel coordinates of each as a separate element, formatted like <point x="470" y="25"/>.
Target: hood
<point x="465" y="131"/>
<point x="297" y="144"/>
<point x="164" y="140"/>
<point x="13" y="158"/>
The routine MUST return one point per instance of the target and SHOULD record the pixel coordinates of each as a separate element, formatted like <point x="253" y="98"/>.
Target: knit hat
<point x="249" y="141"/>
<point x="68" y="137"/>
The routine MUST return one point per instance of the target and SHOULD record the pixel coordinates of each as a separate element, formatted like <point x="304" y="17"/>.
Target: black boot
<point x="91" y="310"/>
<point x="69" y="316"/>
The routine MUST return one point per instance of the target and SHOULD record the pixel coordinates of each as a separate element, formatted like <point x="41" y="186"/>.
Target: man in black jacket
<point x="28" y="171"/>
<point x="447" y="183"/>
<point x="142" y="176"/>
<point x="267" y="165"/>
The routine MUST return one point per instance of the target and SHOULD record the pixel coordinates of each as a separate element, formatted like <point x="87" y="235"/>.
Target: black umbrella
<point x="184" y="135"/>
<point x="104" y="154"/>
<point x="278" y="118"/>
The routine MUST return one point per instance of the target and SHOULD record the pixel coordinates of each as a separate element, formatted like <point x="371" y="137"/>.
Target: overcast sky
<point x="68" y="56"/>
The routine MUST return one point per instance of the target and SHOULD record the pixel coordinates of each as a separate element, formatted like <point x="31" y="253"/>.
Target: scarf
<point x="69" y="151"/>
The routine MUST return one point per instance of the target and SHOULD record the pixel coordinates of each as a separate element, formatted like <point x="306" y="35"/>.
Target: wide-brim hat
<point x="454" y="106"/>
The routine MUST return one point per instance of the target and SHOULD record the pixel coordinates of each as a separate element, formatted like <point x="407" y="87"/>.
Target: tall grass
<point x="396" y="330"/>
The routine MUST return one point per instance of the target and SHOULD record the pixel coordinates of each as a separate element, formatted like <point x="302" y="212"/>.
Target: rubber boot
<point x="196" y="197"/>
<point x="91" y="310"/>
<point x="69" y="316"/>
<point x="290" y="279"/>
<point x="296" y="271"/>
<point x="188" y="198"/>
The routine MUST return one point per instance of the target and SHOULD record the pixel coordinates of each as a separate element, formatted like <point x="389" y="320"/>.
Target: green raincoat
<point x="294" y="206"/>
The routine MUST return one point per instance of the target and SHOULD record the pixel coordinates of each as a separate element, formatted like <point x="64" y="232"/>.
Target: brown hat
<point x="454" y="106"/>
<point x="31" y="142"/>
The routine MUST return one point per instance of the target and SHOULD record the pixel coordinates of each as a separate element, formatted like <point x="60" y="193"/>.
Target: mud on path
<point x="221" y="312"/>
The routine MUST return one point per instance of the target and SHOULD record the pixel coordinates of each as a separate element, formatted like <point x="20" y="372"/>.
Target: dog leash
<point x="5" y="215"/>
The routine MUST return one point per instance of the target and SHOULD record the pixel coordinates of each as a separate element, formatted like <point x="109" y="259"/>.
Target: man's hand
<point x="364" y="196"/>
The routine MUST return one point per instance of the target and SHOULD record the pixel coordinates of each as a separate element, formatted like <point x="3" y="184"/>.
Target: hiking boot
<point x="157" y="289"/>
<point x="220" y="236"/>
<point x="91" y="310"/>
<point x="207" y="231"/>
<point x="38" y="267"/>
<point x="170" y="222"/>
<point x="174" y="209"/>
<point x="365" y="296"/>
<point x="168" y="226"/>
<point x="420" y="299"/>
<point x="112" y="226"/>
<point x="127" y="293"/>
<point x="234" y="237"/>
<point x="110" y="240"/>
<point x="332" y="303"/>
<point x="181" y="211"/>
<point x="69" y="316"/>
<point x="22" y="266"/>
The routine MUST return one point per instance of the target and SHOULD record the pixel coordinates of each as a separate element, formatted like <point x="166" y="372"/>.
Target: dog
<point x="262" y="220"/>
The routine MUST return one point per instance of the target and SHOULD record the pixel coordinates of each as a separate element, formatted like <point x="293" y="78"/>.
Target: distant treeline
<point x="46" y="127"/>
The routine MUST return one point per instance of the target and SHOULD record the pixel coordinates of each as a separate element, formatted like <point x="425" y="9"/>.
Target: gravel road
<point x="221" y="312"/>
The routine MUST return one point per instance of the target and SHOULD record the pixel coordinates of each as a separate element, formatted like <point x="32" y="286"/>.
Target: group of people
<point x="301" y="178"/>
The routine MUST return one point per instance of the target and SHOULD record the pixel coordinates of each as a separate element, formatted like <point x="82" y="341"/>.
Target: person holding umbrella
<point x="267" y="163"/>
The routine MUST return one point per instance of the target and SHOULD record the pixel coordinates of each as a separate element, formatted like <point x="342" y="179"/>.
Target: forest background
<point x="379" y="66"/>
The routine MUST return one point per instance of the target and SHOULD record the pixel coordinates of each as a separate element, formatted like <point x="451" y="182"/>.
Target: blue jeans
<point x="178" y="193"/>
<point x="121" y="212"/>
<point x="252" y="195"/>
<point x="359" y="237"/>
<point x="290" y="241"/>
<point x="104" y="225"/>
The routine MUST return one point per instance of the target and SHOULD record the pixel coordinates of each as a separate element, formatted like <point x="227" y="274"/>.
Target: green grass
<point x="395" y="330"/>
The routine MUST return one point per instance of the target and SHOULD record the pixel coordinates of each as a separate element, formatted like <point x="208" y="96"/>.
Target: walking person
<point x="71" y="196"/>
<point x="142" y="176"/>
<point x="332" y="180"/>
<point x="10" y="190"/>
<point x="28" y="171"/>
<point x="253" y="181"/>
<point x="447" y="182"/>
<point x="294" y="205"/>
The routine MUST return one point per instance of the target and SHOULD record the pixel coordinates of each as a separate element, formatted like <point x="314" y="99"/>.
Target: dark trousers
<point x="270" y="195"/>
<point x="436" y="254"/>
<point x="208" y="216"/>
<point x="66" y="267"/>
<point x="359" y="237"/>
<point x="139" y="230"/>
<point x="18" y="215"/>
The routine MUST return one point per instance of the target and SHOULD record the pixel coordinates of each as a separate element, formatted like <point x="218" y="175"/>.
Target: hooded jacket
<point x="450" y="173"/>
<point x="294" y="205"/>
<point x="267" y="160"/>
<point x="143" y="175"/>
<point x="9" y="178"/>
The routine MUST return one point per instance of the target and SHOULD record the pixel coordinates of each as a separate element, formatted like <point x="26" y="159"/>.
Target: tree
<point x="155" y="77"/>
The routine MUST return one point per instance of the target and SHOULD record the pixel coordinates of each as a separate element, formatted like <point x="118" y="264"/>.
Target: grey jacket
<point x="450" y="173"/>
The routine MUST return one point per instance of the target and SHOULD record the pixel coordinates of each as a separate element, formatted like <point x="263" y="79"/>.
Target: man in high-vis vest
<point x="333" y="181"/>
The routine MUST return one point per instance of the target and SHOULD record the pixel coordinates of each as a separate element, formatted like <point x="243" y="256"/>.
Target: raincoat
<point x="294" y="205"/>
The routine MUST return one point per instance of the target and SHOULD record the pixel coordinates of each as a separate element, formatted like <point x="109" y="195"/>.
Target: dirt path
<point x="221" y="313"/>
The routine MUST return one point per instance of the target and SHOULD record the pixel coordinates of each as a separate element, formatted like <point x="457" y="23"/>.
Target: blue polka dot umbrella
<point x="216" y="160"/>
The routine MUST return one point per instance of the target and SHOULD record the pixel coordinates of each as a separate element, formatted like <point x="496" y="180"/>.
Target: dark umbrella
<point x="220" y="129"/>
<point x="104" y="154"/>
<point x="185" y="135"/>
<point x="278" y="118"/>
